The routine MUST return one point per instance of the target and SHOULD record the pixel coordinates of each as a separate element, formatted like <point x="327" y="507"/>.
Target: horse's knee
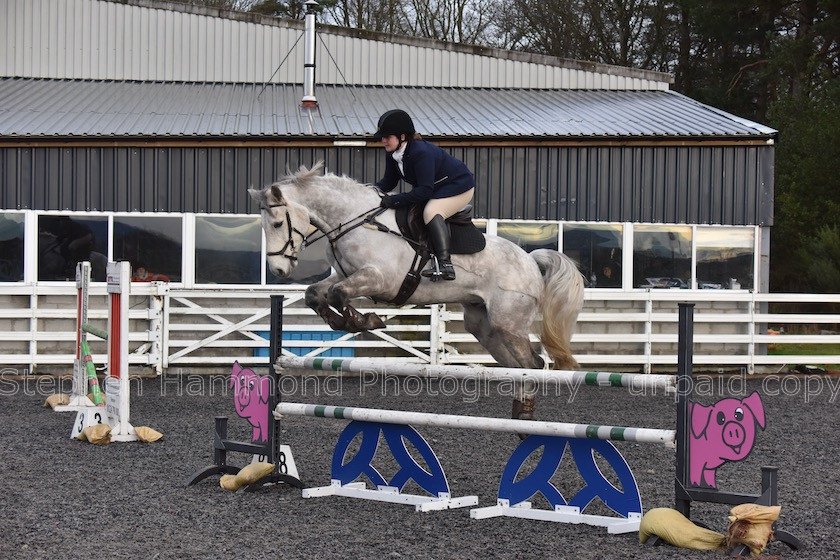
<point x="313" y="297"/>
<point x="336" y="296"/>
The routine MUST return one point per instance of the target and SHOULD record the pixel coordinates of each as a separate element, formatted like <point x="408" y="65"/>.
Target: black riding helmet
<point x="396" y="122"/>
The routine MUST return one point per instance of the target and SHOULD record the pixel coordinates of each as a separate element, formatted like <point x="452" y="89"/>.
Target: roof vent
<point x="309" y="100"/>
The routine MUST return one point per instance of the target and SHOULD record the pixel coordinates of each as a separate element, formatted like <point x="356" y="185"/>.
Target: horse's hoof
<point x="524" y="409"/>
<point x="337" y="323"/>
<point x="372" y="321"/>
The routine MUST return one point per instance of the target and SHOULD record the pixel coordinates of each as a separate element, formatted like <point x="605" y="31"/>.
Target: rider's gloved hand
<point x="387" y="202"/>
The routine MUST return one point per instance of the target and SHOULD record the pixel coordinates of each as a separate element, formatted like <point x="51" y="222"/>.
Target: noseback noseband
<point x="290" y="242"/>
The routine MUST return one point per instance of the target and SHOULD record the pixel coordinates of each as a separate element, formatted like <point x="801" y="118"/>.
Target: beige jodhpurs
<point x="446" y="206"/>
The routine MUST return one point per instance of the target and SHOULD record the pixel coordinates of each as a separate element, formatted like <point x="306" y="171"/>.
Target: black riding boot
<point x="439" y="240"/>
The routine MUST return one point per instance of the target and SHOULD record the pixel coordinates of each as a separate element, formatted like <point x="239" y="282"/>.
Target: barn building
<point x="131" y="129"/>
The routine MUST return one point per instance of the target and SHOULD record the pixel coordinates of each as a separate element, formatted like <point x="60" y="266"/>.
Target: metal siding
<point x="765" y="182"/>
<point x="635" y="184"/>
<point x="686" y="172"/>
<point x="106" y="41"/>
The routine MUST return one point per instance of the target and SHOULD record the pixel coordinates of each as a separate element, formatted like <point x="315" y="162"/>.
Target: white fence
<point x="179" y="330"/>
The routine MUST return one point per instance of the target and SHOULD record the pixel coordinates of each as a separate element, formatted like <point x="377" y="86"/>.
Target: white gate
<point x="180" y="328"/>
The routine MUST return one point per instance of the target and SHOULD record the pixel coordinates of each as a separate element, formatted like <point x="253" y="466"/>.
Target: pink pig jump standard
<point x="254" y="398"/>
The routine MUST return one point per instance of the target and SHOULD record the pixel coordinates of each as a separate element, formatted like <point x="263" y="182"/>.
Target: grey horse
<point x="502" y="289"/>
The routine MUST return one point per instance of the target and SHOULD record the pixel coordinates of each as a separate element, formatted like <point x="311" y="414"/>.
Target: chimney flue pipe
<point x="309" y="99"/>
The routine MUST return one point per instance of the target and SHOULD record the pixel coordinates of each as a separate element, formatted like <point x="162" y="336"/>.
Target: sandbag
<point x="253" y="472"/>
<point x="229" y="482"/>
<point x="147" y="434"/>
<point x="673" y="527"/>
<point x="98" y="434"/>
<point x="56" y="400"/>
<point x="751" y="525"/>
<point x="247" y="475"/>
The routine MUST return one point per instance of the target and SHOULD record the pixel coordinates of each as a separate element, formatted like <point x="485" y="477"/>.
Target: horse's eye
<point x="278" y="224"/>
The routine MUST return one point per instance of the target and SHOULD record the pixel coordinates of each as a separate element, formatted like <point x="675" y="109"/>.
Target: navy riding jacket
<point x="430" y="170"/>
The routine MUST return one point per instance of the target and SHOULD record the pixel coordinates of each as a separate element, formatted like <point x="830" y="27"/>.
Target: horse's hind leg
<point x="509" y="350"/>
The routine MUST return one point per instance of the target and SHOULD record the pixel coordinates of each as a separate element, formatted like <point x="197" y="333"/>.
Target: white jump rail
<point x="531" y="427"/>
<point x="428" y="371"/>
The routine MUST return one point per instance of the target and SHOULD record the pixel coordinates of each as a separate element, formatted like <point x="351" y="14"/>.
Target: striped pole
<point x="101" y="333"/>
<point x="573" y="378"/>
<point x="93" y="380"/>
<point x="531" y="427"/>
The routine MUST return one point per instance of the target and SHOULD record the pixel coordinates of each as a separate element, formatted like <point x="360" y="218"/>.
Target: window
<point x="11" y="246"/>
<point x="228" y="250"/>
<point x="64" y="241"/>
<point x="662" y="256"/>
<point x="312" y="265"/>
<point x="529" y="236"/>
<point x="153" y="243"/>
<point x="596" y="248"/>
<point x="725" y="258"/>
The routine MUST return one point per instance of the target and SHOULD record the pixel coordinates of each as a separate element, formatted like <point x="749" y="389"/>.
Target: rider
<point x="438" y="180"/>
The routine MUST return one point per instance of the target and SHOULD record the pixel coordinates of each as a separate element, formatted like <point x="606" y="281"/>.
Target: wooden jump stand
<point x="272" y="449"/>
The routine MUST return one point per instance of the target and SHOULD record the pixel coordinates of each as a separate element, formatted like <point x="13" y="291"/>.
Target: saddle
<point x="466" y="239"/>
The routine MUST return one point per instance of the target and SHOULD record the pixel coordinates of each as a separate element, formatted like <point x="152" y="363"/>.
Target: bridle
<point x="333" y="235"/>
<point x="290" y="242"/>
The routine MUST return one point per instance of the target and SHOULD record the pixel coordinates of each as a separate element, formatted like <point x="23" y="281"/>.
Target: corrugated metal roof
<point x="36" y="108"/>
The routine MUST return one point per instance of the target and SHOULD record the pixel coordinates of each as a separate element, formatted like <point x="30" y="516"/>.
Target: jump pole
<point x="78" y="397"/>
<point x="429" y="371"/>
<point x="486" y="424"/>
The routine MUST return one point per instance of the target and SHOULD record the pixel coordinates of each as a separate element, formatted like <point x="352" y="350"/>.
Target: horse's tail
<point x="562" y="301"/>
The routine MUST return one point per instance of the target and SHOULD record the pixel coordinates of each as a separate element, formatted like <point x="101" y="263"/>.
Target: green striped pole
<point x="95" y="331"/>
<point x="573" y="378"/>
<point x="531" y="427"/>
<point x="93" y="381"/>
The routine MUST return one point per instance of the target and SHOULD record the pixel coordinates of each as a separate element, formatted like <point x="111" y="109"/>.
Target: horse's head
<point x="285" y="222"/>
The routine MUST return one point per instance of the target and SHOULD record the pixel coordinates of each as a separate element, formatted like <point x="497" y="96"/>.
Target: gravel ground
<point x="68" y="499"/>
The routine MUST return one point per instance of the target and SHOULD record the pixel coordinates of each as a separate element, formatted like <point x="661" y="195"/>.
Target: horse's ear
<point x="256" y="195"/>
<point x="276" y="193"/>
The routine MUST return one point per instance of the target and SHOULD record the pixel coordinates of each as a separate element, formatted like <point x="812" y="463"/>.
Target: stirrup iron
<point x="434" y="272"/>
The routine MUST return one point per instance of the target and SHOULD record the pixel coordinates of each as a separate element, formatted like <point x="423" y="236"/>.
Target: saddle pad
<point x="466" y="238"/>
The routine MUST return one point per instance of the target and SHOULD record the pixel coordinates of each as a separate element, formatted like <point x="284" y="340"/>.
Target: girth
<point x="413" y="229"/>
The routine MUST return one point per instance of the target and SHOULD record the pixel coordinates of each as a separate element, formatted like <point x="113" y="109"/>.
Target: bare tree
<point x="372" y="15"/>
<point x="232" y="5"/>
<point x="459" y="21"/>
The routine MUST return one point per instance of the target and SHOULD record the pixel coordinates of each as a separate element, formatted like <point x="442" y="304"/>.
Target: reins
<point x="343" y="228"/>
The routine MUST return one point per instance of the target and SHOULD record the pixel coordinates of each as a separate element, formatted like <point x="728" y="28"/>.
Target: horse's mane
<point x="305" y="177"/>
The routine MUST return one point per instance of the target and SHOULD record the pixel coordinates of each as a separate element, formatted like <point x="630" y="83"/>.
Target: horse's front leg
<point x="316" y="299"/>
<point x="365" y="282"/>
